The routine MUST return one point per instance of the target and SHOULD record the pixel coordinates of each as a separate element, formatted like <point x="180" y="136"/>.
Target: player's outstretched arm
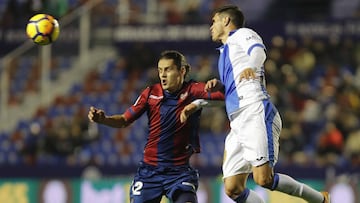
<point x="98" y="116"/>
<point x="214" y="85"/>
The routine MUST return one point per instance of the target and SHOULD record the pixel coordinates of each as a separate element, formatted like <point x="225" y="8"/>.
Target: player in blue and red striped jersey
<point x="165" y="168"/>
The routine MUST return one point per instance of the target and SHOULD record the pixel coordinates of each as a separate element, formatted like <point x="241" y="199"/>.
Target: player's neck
<point x="227" y="32"/>
<point x="225" y="37"/>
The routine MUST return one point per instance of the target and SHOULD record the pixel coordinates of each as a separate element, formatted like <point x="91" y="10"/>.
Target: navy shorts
<point x="151" y="182"/>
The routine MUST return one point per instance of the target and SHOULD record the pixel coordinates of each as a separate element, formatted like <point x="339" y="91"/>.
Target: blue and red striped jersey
<point x="170" y="142"/>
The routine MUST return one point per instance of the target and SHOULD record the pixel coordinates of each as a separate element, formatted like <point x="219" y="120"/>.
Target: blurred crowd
<point x="315" y="83"/>
<point x="60" y="136"/>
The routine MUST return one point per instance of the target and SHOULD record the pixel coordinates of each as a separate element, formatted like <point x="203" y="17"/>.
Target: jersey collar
<point x="232" y="32"/>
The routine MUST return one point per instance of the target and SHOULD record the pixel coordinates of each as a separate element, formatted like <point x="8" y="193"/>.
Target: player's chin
<point x="164" y="86"/>
<point x="214" y="38"/>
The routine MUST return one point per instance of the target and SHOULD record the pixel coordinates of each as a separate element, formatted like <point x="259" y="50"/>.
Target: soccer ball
<point x="43" y="29"/>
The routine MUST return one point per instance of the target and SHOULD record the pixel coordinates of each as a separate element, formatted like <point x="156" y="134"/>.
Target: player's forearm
<point x="116" y="121"/>
<point x="199" y="103"/>
<point x="195" y="106"/>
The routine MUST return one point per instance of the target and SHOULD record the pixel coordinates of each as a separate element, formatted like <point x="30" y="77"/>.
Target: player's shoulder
<point x="194" y="83"/>
<point x="154" y="88"/>
<point x="244" y="30"/>
<point x="246" y="34"/>
<point x="156" y="85"/>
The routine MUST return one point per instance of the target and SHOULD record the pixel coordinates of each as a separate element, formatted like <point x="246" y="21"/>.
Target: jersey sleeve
<point x="249" y="39"/>
<point x="197" y="90"/>
<point x="139" y="107"/>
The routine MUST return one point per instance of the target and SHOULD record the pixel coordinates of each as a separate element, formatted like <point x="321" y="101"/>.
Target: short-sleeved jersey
<point x="234" y="58"/>
<point x="170" y="142"/>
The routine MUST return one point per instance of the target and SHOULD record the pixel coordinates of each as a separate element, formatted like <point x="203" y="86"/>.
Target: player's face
<point x="217" y="28"/>
<point x="171" y="78"/>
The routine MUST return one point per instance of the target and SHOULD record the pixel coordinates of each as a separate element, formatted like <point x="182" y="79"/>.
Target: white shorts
<point x="253" y="139"/>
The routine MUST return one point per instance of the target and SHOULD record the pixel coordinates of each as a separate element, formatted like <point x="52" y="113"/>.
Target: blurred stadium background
<point x="106" y="54"/>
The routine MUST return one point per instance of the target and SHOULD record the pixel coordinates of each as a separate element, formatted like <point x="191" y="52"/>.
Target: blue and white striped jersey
<point x="234" y="58"/>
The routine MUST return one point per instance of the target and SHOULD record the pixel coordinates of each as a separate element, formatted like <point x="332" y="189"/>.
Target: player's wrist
<point x="199" y="103"/>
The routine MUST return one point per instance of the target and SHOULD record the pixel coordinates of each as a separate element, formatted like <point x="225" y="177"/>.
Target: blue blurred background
<point x="107" y="54"/>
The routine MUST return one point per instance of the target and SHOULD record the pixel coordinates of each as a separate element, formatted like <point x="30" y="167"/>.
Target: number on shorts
<point x="136" y="188"/>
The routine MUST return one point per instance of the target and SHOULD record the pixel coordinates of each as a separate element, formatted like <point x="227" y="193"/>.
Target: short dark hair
<point x="178" y="58"/>
<point x="235" y="14"/>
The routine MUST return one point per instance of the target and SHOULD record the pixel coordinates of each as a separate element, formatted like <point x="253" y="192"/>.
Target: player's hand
<point x="187" y="111"/>
<point x="213" y="85"/>
<point x="96" y="115"/>
<point x="247" y="74"/>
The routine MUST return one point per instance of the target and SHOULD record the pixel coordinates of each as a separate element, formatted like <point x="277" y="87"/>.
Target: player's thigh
<point x="261" y="126"/>
<point x="181" y="197"/>
<point x="139" y="200"/>
<point x="182" y="180"/>
<point x="241" y="144"/>
<point x="147" y="196"/>
<point x="146" y="186"/>
<point x="234" y="162"/>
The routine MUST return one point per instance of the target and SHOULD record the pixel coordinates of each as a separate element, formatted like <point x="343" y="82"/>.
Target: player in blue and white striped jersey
<point x="252" y="144"/>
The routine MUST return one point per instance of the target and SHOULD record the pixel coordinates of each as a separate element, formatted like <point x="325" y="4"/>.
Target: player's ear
<point x="183" y="71"/>
<point x="227" y="20"/>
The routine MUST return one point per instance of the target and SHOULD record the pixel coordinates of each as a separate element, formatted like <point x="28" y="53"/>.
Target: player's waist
<point x="165" y="167"/>
<point x="256" y="84"/>
<point x="233" y="109"/>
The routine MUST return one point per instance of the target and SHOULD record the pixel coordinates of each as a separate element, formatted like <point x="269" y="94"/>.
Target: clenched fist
<point x="96" y="115"/>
